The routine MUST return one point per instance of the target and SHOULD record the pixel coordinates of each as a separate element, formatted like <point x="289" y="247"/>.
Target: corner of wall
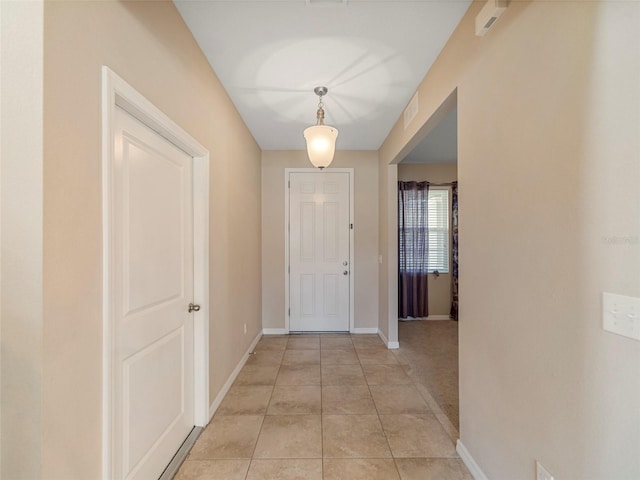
<point x="21" y="238"/>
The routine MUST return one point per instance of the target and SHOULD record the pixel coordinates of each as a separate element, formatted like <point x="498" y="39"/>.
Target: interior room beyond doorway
<point x="429" y="341"/>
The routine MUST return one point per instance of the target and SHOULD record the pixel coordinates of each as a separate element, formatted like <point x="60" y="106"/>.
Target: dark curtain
<point x="454" y="248"/>
<point x="413" y="245"/>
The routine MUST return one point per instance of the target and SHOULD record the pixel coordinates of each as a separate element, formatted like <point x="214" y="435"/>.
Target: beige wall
<point x="548" y="172"/>
<point x="365" y="165"/>
<point x="433" y="172"/>
<point x="388" y="248"/>
<point x="439" y="287"/>
<point x="148" y="45"/>
<point x="21" y="238"/>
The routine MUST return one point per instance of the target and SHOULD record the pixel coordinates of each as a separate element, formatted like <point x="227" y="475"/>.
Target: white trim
<point x="392" y="253"/>
<point x="352" y="267"/>
<point x="364" y="330"/>
<point x="232" y="378"/>
<point x="352" y="248"/>
<point x="470" y="463"/>
<point x="390" y="345"/>
<point x="429" y="318"/>
<point x="275" y="331"/>
<point x="201" y="245"/>
<point x="117" y="92"/>
<point x="438" y="317"/>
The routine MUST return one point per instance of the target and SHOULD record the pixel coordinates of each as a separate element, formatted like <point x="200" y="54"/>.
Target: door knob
<point x="345" y="263"/>
<point x="194" y="308"/>
<point x="346" y="272"/>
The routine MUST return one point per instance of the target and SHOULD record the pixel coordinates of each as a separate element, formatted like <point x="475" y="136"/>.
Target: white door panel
<point x="319" y="252"/>
<point x="153" y="285"/>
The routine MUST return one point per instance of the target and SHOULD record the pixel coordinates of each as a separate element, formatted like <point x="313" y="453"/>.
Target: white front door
<point x="152" y="266"/>
<point x="319" y="255"/>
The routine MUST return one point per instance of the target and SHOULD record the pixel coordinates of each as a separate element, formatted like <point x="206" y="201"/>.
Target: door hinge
<point x="289" y="183"/>
<point x="289" y="269"/>
<point x="351" y="226"/>
<point x="289" y="312"/>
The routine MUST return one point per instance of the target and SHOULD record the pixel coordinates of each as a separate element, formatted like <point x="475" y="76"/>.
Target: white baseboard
<point x="471" y="464"/>
<point x="275" y="331"/>
<point x="232" y="378"/>
<point x="356" y="330"/>
<point x="390" y="345"/>
<point x="364" y="330"/>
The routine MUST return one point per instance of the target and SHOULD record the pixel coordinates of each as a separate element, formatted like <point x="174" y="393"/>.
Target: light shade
<point x="321" y="144"/>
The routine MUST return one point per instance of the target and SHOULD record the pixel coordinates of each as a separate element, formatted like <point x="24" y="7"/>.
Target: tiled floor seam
<point x="384" y="432"/>
<point x="321" y="420"/>
<point x="253" y="451"/>
<point x="442" y="418"/>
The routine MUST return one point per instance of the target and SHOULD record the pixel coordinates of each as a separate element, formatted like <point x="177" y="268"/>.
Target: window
<point x="437" y="232"/>
<point x="438" y="224"/>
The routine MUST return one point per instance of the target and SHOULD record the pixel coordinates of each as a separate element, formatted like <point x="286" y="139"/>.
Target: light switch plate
<point x="621" y="315"/>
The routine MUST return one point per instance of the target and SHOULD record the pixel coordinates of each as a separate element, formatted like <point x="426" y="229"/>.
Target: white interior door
<point x="319" y="254"/>
<point x="152" y="264"/>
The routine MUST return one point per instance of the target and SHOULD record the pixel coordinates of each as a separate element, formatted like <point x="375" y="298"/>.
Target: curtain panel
<point x="454" y="250"/>
<point x="413" y="249"/>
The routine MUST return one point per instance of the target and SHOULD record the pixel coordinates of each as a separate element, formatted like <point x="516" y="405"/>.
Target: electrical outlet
<point x="621" y="315"/>
<point x="245" y="328"/>
<point x="541" y="472"/>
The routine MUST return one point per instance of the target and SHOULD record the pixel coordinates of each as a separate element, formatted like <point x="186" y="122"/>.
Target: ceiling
<point x="441" y="145"/>
<point x="371" y="54"/>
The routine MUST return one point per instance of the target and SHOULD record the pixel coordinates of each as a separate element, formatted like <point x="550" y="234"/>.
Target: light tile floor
<point x="429" y="353"/>
<point x="332" y="407"/>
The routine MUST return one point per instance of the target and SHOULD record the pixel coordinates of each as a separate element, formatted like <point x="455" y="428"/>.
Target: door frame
<point x="287" y="172"/>
<point x="116" y="92"/>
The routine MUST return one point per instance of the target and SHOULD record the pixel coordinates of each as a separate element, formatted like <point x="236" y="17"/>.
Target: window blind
<point x="438" y="223"/>
<point x="437" y="232"/>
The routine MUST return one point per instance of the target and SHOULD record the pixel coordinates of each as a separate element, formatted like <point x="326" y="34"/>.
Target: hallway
<point x="331" y="406"/>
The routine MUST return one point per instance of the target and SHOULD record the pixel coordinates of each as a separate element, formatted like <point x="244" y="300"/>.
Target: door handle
<point x="346" y="272"/>
<point x="194" y="308"/>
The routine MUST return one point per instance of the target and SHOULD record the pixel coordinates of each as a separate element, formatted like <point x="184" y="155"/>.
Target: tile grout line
<point x="321" y="418"/>
<point x="429" y="404"/>
<point x="384" y="432"/>
<point x="251" y="459"/>
<point x="437" y="414"/>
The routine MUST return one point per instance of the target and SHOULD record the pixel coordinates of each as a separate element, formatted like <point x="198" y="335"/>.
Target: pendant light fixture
<point x="321" y="138"/>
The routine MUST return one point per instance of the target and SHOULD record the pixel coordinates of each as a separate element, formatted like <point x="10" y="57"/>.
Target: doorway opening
<point x="427" y="265"/>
